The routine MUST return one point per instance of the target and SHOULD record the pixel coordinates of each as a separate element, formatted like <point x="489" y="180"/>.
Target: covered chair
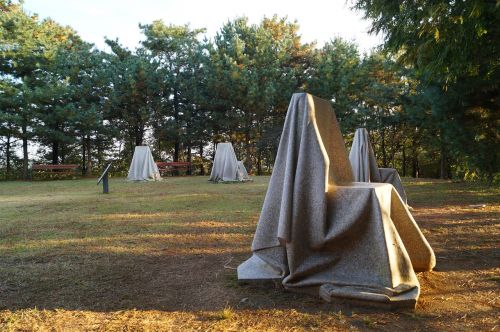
<point x="226" y="167"/>
<point x="364" y="164"/>
<point x="321" y="233"/>
<point x="143" y="166"/>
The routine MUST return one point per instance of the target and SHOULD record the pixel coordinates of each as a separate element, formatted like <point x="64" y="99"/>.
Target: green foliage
<point x="130" y="92"/>
<point x="448" y="39"/>
<point x="454" y="46"/>
<point x="336" y="76"/>
<point x="28" y="48"/>
<point x="176" y="53"/>
<point x="253" y="70"/>
<point x="429" y="99"/>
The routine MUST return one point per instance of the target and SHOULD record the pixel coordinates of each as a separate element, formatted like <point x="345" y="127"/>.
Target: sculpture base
<point x="380" y="298"/>
<point x="255" y="270"/>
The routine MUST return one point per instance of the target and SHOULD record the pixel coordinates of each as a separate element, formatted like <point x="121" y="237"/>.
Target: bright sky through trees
<point x="93" y="19"/>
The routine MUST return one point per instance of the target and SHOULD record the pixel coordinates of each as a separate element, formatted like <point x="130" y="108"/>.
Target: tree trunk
<point x="415" y="167"/>
<point x="177" y="144"/>
<point x="442" y="164"/>
<point x="62" y="153"/>
<point x="202" y="169"/>
<point x="55" y="152"/>
<point x="382" y="147"/>
<point x="7" y="154"/>
<point x="393" y="147"/>
<point x="84" y="157"/>
<point x="132" y="146"/>
<point x="414" y="170"/>
<point x="248" y="151"/>
<point x="99" y="150"/>
<point x="88" y="168"/>
<point x="259" y="162"/>
<point x="25" y="152"/>
<point x="177" y="147"/>
<point x="215" y="149"/>
<point x="403" y="170"/>
<point x="139" y="135"/>
<point x="248" y="146"/>
<point x="158" y="144"/>
<point x="189" y="159"/>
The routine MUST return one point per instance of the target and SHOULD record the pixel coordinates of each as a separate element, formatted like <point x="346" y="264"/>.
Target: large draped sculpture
<point x="364" y="164"/>
<point x="226" y="167"/>
<point x="321" y="233"/>
<point x="143" y="166"/>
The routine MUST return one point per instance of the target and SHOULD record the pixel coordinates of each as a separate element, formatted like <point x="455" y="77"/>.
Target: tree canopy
<point x="453" y="48"/>
<point x="429" y="98"/>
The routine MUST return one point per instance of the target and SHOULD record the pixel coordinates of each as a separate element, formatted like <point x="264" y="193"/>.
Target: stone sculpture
<point x="226" y="167"/>
<point x="321" y="233"/>
<point x="143" y="166"/>
<point x="364" y="164"/>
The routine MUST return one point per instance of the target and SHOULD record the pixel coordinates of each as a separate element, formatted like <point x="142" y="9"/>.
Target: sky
<point x="319" y="21"/>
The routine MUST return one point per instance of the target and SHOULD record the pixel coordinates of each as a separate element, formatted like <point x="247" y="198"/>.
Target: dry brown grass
<point x="161" y="256"/>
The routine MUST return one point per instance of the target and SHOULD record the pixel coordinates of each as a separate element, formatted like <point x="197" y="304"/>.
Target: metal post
<point x="105" y="187"/>
<point x="104" y="179"/>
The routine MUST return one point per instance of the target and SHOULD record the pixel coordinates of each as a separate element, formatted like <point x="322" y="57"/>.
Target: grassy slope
<point x="155" y="256"/>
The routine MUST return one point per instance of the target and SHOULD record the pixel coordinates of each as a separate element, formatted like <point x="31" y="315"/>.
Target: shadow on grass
<point x="467" y="260"/>
<point x="463" y="240"/>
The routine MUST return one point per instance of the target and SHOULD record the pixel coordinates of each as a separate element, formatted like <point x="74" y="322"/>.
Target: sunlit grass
<point x="161" y="256"/>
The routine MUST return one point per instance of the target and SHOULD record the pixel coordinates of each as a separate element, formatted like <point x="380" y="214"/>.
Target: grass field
<point x="161" y="256"/>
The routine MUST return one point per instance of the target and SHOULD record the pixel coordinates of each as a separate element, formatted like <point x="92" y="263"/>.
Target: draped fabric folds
<point x="143" y="166"/>
<point x="226" y="167"/>
<point x="321" y="233"/>
<point x="364" y="164"/>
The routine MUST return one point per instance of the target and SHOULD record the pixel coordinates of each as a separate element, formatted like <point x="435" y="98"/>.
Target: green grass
<point x="435" y="193"/>
<point x="42" y="215"/>
<point x="161" y="256"/>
